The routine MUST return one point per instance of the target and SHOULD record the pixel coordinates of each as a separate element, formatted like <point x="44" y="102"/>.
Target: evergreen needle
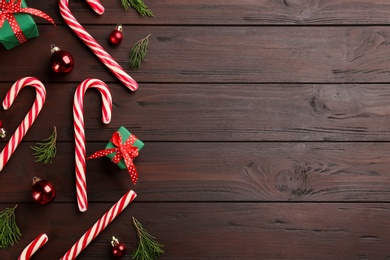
<point x="148" y="248"/>
<point x="9" y="231"/>
<point x="138" y="52"/>
<point x="46" y="151"/>
<point x="138" y="5"/>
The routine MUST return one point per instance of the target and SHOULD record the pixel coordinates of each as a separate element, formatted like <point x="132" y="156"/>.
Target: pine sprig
<point x="9" y="231"/>
<point x="148" y="248"/>
<point x="139" y="6"/>
<point x="45" y="152"/>
<point x="138" y="52"/>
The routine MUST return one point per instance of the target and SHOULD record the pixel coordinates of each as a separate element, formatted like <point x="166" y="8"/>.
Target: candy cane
<point x="100" y="225"/>
<point x="79" y="134"/>
<point x="33" y="247"/>
<point x="104" y="57"/>
<point x="22" y="129"/>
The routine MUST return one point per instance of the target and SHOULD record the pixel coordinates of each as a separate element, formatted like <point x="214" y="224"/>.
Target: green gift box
<point x="125" y="135"/>
<point x="27" y="25"/>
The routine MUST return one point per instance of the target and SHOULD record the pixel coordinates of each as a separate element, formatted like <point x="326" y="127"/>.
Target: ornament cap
<point x="2" y="133"/>
<point x="119" y="27"/>
<point x="114" y="241"/>
<point x="35" y="180"/>
<point x="54" y="49"/>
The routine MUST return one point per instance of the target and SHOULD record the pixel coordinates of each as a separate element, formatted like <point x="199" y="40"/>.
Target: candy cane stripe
<point x="79" y="133"/>
<point x="96" y="48"/>
<point x="28" y="120"/>
<point x="100" y="225"/>
<point x="36" y="244"/>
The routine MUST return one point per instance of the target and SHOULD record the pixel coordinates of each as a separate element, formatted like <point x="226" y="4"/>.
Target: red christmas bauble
<point x="116" y="35"/>
<point x="118" y="249"/>
<point x="61" y="61"/>
<point x="43" y="191"/>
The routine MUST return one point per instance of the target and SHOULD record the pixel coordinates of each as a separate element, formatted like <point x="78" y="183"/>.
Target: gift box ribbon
<point x="126" y="151"/>
<point x="7" y="13"/>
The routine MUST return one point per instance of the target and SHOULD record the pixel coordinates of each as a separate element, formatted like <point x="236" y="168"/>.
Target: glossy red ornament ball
<point x="118" y="249"/>
<point x="43" y="191"/>
<point x="61" y="61"/>
<point x="116" y="35"/>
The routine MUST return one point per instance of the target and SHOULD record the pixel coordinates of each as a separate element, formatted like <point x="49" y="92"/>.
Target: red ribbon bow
<point x="7" y="11"/>
<point x="126" y="151"/>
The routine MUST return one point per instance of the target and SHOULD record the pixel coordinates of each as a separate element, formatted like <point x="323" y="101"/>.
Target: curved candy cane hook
<point x="29" y="119"/>
<point x="36" y="244"/>
<point x="79" y="134"/>
<point x="97" y="49"/>
<point x="96" y="6"/>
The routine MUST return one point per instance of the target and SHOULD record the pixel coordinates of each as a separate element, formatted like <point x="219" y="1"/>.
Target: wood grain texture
<point x="216" y="112"/>
<point x="234" y="54"/>
<point x="239" y="172"/>
<point x="265" y="126"/>
<point x="222" y="12"/>
<point x="249" y="231"/>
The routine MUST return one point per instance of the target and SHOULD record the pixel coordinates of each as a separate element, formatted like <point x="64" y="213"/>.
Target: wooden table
<point x="266" y="130"/>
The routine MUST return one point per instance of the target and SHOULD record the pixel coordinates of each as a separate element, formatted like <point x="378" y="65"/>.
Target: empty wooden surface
<point x="266" y="130"/>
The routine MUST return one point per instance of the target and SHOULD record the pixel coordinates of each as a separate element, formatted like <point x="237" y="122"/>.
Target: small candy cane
<point x="29" y="119"/>
<point x="33" y="247"/>
<point x="100" y="225"/>
<point x="80" y="31"/>
<point x="79" y="133"/>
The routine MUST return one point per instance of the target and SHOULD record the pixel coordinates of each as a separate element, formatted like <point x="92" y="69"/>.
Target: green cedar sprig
<point x="46" y="151"/>
<point x="138" y="52"/>
<point x="9" y="231"/>
<point x="148" y="248"/>
<point x="139" y="6"/>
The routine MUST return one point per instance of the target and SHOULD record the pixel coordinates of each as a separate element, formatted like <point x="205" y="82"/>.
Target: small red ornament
<point x="61" y="61"/>
<point x="116" y="35"/>
<point x="43" y="191"/>
<point x="118" y="249"/>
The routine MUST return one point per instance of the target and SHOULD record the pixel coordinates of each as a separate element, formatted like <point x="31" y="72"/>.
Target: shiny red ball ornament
<point x="116" y="35"/>
<point x="43" y="192"/>
<point x="118" y="249"/>
<point x="61" y="61"/>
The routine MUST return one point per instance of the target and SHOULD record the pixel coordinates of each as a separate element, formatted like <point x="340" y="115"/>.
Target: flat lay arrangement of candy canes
<point x="121" y="149"/>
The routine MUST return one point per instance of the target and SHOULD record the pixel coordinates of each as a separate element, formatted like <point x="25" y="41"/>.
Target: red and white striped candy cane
<point x="106" y="58"/>
<point x="79" y="134"/>
<point x="29" y="119"/>
<point x="96" y="6"/>
<point x="36" y="244"/>
<point x="100" y="225"/>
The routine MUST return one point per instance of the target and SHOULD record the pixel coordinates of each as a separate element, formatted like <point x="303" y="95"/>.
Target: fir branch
<point x="138" y="52"/>
<point x="139" y="6"/>
<point x="148" y="248"/>
<point x="45" y="152"/>
<point x="9" y="231"/>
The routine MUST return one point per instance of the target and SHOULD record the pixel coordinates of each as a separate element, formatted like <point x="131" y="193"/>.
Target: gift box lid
<point x="27" y="25"/>
<point x="125" y="135"/>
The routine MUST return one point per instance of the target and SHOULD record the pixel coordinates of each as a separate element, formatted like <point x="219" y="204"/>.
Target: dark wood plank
<point x="215" y="112"/>
<point x="264" y="122"/>
<point x="231" y="172"/>
<point x="232" y="54"/>
<point x="222" y="12"/>
<point x="195" y="231"/>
